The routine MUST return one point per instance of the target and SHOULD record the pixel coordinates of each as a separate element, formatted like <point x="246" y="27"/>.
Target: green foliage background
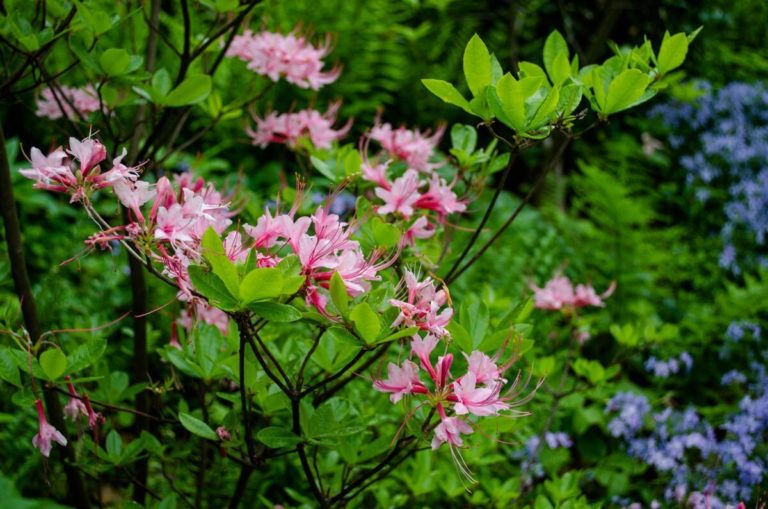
<point x="609" y="212"/>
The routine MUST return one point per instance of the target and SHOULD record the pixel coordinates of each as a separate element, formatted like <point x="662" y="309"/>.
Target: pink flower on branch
<point x="67" y="102"/>
<point x="58" y="172"/>
<point x="289" y="56"/>
<point x="402" y="380"/>
<point x="479" y="392"/>
<point x="413" y="147"/>
<point x="47" y="433"/>
<point x="401" y="197"/>
<point x="289" y="128"/>
<point x="559" y="294"/>
<point x="424" y="306"/>
<point x="74" y="407"/>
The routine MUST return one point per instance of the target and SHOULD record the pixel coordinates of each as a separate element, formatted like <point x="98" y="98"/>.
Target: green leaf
<point x="8" y="369"/>
<point x="366" y="322"/>
<point x="292" y="284"/>
<point x="323" y="168"/>
<point x="555" y="48"/>
<point x="385" y="234"/>
<point x="460" y="336"/>
<point x="531" y="70"/>
<point x="477" y="65"/>
<point x="114" y="445"/>
<point x="447" y="93"/>
<point x="570" y="97"/>
<point x="276" y="437"/>
<point x="561" y="69"/>
<point x="115" y="61"/>
<point x="543" y="115"/>
<point x="625" y="90"/>
<point x="275" y="312"/>
<point x="212" y="287"/>
<point x="192" y="90"/>
<point x="510" y="94"/>
<point x="672" y="53"/>
<point x="54" y="363"/>
<point x="197" y="427"/>
<point x="213" y="251"/>
<point x="261" y="284"/>
<point x="464" y="137"/>
<point x="339" y="295"/>
<point x="161" y="82"/>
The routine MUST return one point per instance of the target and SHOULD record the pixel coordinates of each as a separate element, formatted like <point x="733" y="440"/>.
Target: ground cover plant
<point x="255" y="257"/>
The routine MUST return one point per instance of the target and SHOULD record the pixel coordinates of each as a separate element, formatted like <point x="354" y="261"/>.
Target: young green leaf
<point x="447" y="93"/>
<point x="261" y="284"/>
<point x="54" y="363"/>
<point x="625" y="90"/>
<point x="115" y="61"/>
<point x="212" y="287"/>
<point x="213" y="251"/>
<point x="339" y="294"/>
<point x="161" y="82"/>
<point x="192" y="90"/>
<point x="510" y="94"/>
<point x="276" y="437"/>
<point x="555" y="47"/>
<point x="366" y="322"/>
<point x="197" y="427"/>
<point x="672" y="53"/>
<point x="477" y="65"/>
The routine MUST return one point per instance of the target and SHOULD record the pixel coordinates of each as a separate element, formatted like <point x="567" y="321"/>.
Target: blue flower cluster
<point x="726" y="462"/>
<point x="723" y="139"/>
<point x="664" y="368"/>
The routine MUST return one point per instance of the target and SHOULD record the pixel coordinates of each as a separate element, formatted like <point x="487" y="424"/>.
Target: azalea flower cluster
<point x="478" y="392"/>
<point x="413" y="147"/>
<point x="289" y="56"/>
<point x="77" y="171"/>
<point x="560" y="294"/>
<point x="67" y="102"/>
<point x="327" y="249"/>
<point x="182" y="210"/>
<point x="424" y="306"/>
<point x="419" y="187"/>
<point x="289" y="128"/>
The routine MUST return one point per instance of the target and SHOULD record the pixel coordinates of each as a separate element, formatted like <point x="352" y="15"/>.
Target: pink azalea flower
<point x="556" y="294"/>
<point x="419" y="229"/>
<point x="56" y="172"/>
<point x="49" y="172"/>
<point x="450" y="430"/>
<point x="289" y="56"/>
<point x="84" y="100"/>
<point x="88" y="152"/>
<point x="402" y="380"/>
<point x="74" y="407"/>
<point x="559" y="294"/>
<point x="440" y="198"/>
<point x="482" y="367"/>
<point x="411" y="146"/>
<point x="423" y="306"/>
<point x="376" y="173"/>
<point x="47" y="433"/>
<point x="401" y="196"/>
<point x="223" y="433"/>
<point x="479" y="401"/>
<point x="288" y="128"/>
